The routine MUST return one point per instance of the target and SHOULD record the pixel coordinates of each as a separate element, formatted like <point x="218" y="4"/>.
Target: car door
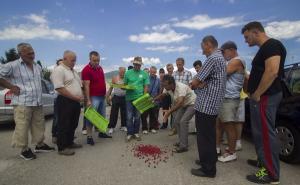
<point x="47" y="99"/>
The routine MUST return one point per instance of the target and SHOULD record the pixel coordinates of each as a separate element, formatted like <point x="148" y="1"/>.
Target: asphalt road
<point x="111" y="162"/>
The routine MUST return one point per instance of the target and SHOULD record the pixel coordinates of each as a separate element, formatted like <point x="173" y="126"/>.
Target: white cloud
<point x="38" y="28"/>
<point x="164" y="37"/>
<point x="168" y="49"/>
<point x="200" y="22"/>
<point x="146" y="60"/>
<point x="161" y="27"/>
<point x="142" y="2"/>
<point x="284" y="29"/>
<point x="39" y="19"/>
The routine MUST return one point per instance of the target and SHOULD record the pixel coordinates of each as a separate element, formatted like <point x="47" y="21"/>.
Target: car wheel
<point x="289" y="139"/>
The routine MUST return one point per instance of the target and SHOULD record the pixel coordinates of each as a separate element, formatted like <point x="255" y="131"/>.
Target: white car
<point x="6" y="109"/>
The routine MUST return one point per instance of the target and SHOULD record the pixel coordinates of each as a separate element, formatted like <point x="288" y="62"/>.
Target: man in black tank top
<point x="265" y="95"/>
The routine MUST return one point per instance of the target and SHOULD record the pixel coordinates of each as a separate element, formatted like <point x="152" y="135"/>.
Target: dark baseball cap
<point x="229" y="45"/>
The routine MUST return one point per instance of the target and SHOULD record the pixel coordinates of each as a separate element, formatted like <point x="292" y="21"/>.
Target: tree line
<point x="12" y="55"/>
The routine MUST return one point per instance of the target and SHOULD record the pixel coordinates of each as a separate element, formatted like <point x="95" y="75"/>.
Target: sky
<point x="158" y="30"/>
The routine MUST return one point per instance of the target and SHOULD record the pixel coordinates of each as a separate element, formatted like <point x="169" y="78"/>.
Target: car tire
<point x="289" y="139"/>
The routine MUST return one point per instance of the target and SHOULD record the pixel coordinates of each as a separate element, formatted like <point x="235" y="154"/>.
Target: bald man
<point x="68" y="85"/>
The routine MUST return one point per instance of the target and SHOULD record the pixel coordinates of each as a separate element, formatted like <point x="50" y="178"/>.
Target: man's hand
<point x="15" y="90"/>
<point x="88" y="103"/>
<point x="108" y="99"/>
<point x="255" y="97"/>
<point x="79" y="99"/>
<point x="167" y="114"/>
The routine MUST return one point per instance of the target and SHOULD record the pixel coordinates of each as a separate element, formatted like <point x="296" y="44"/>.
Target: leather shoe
<point x="198" y="162"/>
<point x="104" y="135"/>
<point x="75" y="145"/>
<point x="179" y="150"/>
<point x="200" y="173"/>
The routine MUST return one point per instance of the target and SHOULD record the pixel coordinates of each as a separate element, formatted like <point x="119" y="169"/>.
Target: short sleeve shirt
<point x="96" y="78"/>
<point x="29" y="82"/>
<point x="271" y="47"/>
<point x="63" y="76"/>
<point x="213" y="74"/>
<point x="184" y="77"/>
<point x="139" y="79"/>
<point x="182" y="90"/>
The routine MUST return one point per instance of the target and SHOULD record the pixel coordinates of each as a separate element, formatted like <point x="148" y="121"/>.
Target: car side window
<point x="295" y="81"/>
<point x="44" y="88"/>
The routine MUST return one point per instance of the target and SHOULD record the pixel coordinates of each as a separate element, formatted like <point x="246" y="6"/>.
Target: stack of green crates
<point x="143" y="103"/>
<point x="96" y="119"/>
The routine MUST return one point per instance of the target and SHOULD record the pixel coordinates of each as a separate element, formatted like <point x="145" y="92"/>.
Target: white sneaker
<point x="137" y="137"/>
<point x="111" y="130"/>
<point x="238" y="147"/>
<point x="227" y="157"/>
<point x="84" y="132"/>
<point x="123" y="129"/>
<point x="153" y="131"/>
<point x="145" y="132"/>
<point x="128" y="138"/>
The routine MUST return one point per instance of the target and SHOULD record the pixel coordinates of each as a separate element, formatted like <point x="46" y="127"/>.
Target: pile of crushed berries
<point x="151" y="154"/>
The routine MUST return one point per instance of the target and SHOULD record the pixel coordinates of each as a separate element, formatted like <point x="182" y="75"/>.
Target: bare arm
<point x="14" y="89"/>
<point x="178" y="104"/>
<point x="146" y="89"/>
<point x="234" y="66"/>
<point x="86" y="92"/>
<point x="197" y="84"/>
<point x="269" y="75"/>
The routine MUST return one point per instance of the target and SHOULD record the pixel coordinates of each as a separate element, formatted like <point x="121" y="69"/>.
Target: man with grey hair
<point x="23" y="77"/>
<point x="152" y="113"/>
<point x="116" y="97"/>
<point x="209" y="85"/>
<point x="68" y="85"/>
<point x="170" y="69"/>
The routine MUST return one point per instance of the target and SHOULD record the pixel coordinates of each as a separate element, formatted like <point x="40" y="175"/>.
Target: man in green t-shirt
<point x="140" y="80"/>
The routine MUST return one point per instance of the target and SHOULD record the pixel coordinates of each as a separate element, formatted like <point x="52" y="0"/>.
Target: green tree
<point x="39" y="63"/>
<point x="10" y="55"/>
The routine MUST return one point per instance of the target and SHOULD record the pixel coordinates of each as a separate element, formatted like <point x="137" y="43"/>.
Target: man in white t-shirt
<point x="182" y="98"/>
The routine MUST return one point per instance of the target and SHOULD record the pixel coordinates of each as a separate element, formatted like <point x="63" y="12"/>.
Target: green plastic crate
<point x="96" y="119"/>
<point x="122" y="86"/>
<point x="143" y="103"/>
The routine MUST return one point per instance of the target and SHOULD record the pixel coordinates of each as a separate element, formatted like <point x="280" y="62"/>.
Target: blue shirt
<point x="154" y="86"/>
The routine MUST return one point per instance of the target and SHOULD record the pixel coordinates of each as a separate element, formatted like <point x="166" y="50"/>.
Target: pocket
<point x="19" y="113"/>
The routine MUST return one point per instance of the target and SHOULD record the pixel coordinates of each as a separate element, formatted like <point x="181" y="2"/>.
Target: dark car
<point x="288" y="116"/>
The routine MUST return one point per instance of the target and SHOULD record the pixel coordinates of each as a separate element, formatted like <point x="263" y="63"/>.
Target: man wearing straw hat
<point x="140" y="80"/>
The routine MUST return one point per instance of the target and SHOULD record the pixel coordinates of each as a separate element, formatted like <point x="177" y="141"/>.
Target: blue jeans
<point x="133" y="119"/>
<point x="98" y="103"/>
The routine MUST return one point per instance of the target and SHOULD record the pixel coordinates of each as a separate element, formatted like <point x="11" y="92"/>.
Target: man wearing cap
<point x="228" y="116"/>
<point x="140" y="80"/>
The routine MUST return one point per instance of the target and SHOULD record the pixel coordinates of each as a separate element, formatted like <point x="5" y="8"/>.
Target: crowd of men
<point x="215" y="96"/>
